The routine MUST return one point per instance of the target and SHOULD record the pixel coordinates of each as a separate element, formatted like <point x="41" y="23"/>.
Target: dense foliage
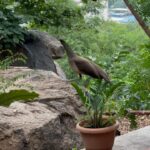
<point x="11" y="33"/>
<point x="134" y="70"/>
<point x="115" y="47"/>
<point x="40" y="13"/>
<point x="99" y="40"/>
<point x="14" y="15"/>
<point x="142" y="6"/>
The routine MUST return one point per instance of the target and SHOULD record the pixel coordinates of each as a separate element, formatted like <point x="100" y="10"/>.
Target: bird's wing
<point x="89" y="68"/>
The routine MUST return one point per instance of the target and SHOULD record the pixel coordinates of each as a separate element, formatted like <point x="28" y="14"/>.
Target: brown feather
<point x="89" y="68"/>
<point x="83" y="65"/>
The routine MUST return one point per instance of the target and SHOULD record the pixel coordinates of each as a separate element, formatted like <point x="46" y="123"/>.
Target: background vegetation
<point x="123" y="50"/>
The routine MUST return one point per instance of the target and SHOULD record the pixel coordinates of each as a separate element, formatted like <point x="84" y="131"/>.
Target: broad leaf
<point x="15" y="95"/>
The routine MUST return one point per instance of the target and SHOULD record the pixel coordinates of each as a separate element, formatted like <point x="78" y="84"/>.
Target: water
<point x="125" y="19"/>
<point x="121" y="15"/>
<point x="114" y="12"/>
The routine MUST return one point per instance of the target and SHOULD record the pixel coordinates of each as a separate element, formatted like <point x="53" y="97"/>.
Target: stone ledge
<point x="135" y="140"/>
<point x="45" y="124"/>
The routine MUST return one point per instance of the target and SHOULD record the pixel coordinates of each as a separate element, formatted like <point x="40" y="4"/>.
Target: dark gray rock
<point x="40" y="49"/>
<point x="45" y="124"/>
<point x="52" y="44"/>
<point x="60" y="72"/>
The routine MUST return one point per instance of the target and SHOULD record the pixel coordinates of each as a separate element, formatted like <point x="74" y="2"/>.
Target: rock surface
<point x="135" y="140"/>
<point x="40" y="50"/>
<point x="45" y="124"/>
<point x="60" y="72"/>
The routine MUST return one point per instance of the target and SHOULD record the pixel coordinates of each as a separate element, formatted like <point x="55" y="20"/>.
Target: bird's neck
<point x="69" y="51"/>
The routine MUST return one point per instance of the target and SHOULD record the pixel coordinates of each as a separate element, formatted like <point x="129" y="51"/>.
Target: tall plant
<point x="95" y="99"/>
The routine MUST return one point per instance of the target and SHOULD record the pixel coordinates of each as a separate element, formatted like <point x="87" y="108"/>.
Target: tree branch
<point x="138" y="18"/>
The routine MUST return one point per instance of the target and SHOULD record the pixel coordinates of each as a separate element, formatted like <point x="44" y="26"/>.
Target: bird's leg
<point x="71" y="80"/>
<point x="76" y="79"/>
<point x="80" y="76"/>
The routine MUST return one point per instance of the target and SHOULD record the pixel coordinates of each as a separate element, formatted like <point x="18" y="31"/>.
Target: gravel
<point x="142" y="121"/>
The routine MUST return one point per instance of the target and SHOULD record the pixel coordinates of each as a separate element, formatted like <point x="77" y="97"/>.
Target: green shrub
<point x="99" y="40"/>
<point x="11" y="33"/>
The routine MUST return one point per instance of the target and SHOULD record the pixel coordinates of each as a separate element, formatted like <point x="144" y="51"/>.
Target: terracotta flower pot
<point x="98" y="138"/>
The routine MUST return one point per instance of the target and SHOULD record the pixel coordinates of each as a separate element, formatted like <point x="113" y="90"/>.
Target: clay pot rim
<point x="96" y="130"/>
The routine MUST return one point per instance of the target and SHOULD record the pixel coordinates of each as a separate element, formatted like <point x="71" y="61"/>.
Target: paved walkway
<point x="135" y="140"/>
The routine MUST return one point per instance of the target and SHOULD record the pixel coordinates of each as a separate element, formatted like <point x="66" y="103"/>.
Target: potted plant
<point x="97" y="130"/>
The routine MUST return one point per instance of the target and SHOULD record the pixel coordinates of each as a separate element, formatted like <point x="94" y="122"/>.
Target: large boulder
<point x="135" y="140"/>
<point x="47" y="123"/>
<point x="40" y="49"/>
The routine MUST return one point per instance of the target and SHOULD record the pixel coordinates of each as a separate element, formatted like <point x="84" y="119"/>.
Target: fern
<point x="10" y="59"/>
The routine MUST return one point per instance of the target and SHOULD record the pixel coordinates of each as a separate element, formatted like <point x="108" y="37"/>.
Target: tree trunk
<point x="138" y="18"/>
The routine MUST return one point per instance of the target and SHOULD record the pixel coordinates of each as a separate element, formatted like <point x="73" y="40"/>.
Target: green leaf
<point x="112" y="89"/>
<point x="81" y="93"/>
<point x="15" y="95"/>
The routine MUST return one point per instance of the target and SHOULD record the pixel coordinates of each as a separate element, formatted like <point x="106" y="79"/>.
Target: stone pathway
<point x="135" y="140"/>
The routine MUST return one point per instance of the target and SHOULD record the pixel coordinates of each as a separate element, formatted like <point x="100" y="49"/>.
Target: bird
<point x="82" y="65"/>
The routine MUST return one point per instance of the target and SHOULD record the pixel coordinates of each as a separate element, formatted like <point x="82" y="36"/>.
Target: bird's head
<point x="68" y="49"/>
<point x="63" y="42"/>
